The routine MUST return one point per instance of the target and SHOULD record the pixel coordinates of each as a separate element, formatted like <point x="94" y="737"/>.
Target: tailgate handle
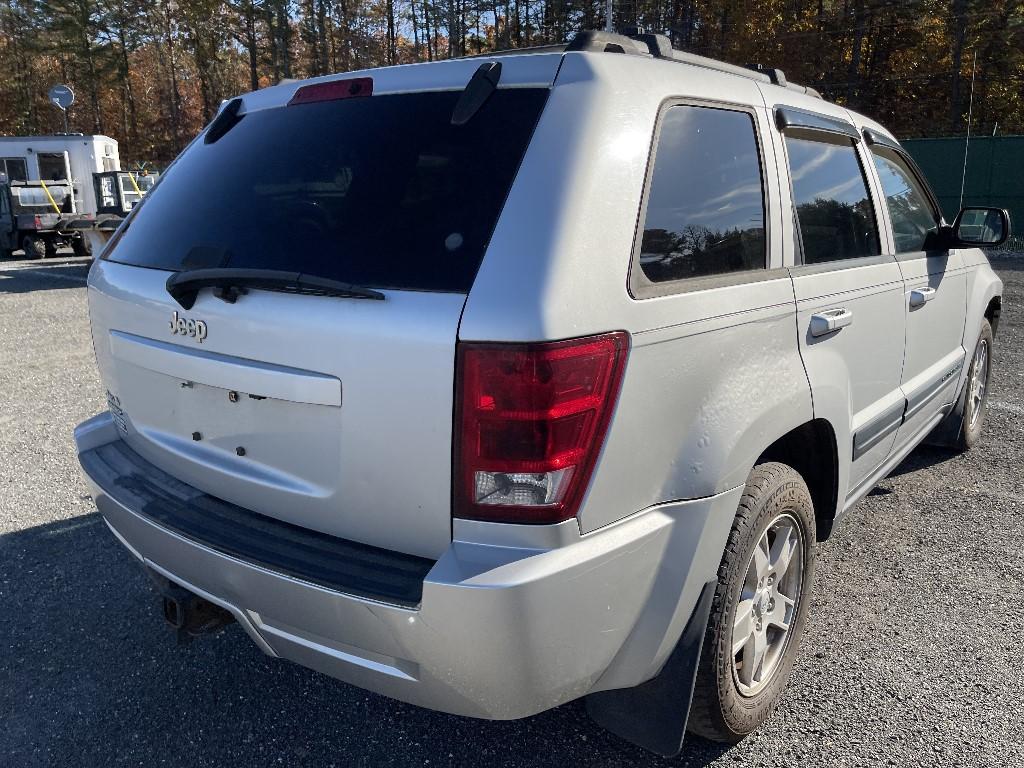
<point x="226" y="372"/>
<point x="823" y="323"/>
<point x="921" y="296"/>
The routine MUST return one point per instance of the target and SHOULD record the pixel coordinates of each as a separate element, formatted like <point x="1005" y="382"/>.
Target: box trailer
<point x="62" y="157"/>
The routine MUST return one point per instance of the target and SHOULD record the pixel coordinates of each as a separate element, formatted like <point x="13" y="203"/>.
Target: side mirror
<point x="981" y="227"/>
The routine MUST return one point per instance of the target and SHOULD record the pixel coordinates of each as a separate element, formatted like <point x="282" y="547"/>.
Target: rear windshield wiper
<point x="232" y="282"/>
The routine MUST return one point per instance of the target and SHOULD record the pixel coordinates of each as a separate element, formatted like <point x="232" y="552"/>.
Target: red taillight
<point x="333" y="90"/>
<point x="531" y="419"/>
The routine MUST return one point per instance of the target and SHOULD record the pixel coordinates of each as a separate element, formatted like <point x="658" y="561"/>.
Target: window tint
<point x="381" y="191"/>
<point x="14" y="168"/>
<point x="705" y="208"/>
<point x="913" y="218"/>
<point x="833" y="207"/>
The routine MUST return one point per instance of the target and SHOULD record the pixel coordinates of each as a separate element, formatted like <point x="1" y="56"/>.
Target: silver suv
<point x="493" y="383"/>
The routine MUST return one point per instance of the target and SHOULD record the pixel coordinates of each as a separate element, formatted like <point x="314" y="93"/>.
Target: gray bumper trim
<point x="327" y="561"/>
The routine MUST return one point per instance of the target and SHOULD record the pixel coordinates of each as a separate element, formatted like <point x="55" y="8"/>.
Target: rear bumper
<point x="501" y="632"/>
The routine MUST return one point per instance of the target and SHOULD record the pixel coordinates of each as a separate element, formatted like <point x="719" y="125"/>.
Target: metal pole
<point x="609" y="26"/>
<point x="967" y="144"/>
<point x="66" y="131"/>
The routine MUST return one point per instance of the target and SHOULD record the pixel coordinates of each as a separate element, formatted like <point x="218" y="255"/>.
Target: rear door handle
<point x="832" y="320"/>
<point x="921" y="296"/>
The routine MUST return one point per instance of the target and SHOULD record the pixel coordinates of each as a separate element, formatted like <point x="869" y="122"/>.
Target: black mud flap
<point x="653" y="715"/>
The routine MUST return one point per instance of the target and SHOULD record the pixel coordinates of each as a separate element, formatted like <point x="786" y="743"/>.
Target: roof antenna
<point x="967" y="144"/>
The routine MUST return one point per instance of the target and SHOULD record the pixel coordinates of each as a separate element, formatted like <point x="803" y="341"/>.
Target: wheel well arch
<point x="811" y="450"/>
<point x="993" y="311"/>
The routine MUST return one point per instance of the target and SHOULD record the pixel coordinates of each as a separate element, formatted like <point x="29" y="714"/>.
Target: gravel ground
<point x="913" y="654"/>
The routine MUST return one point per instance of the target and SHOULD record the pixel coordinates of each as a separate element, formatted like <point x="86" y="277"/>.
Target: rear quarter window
<point x="381" y="191"/>
<point x="704" y="213"/>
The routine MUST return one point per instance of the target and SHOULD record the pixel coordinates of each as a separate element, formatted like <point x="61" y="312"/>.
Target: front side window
<point x="705" y="208"/>
<point x="913" y="218"/>
<point x="833" y="207"/>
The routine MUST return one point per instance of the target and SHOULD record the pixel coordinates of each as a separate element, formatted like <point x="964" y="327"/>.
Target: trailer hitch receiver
<point x="188" y="614"/>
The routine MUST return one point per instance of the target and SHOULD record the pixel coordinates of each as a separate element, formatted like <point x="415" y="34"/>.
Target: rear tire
<point x="762" y="595"/>
<point x="82" y="246"/>
<point x="33" y="247"/>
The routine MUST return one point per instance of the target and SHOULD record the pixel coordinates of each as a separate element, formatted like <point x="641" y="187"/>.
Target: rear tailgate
<point x="342" y="408"/>
<point x="328" y="412"/>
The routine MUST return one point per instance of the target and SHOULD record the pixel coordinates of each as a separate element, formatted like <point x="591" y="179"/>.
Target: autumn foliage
<point x="151" y="74"/>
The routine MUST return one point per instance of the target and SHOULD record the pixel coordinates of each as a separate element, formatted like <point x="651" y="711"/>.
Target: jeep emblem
<point x="186" y="326"/>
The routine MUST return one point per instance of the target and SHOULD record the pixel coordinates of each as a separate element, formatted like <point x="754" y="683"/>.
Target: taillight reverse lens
<point x="531" y="419"/>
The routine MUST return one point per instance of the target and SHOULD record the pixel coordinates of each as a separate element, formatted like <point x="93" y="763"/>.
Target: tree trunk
<point x="251" y="45"/>
<point x="321" y="34"/>
<point x="415" y="30"/>
<point x="428" y="31"/>
<point x="392" y="49"/>
<point x="126" y="82"/>
<point x="175" y="95"/>
<point x="853" y="69"/>
<point x="284" y="32"/>
<point x="959" y="24"/>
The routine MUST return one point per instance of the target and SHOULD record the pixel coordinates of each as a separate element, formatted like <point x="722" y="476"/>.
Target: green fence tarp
<point x="995" y="172"/>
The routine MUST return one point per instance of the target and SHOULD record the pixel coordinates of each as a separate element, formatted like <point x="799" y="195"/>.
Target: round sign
<point x="62" y="96"/>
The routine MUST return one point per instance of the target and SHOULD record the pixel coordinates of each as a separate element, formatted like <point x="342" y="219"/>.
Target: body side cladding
<point x="917" y="400"/>
<point x="888" y="422"/>
<point x="878" y="429"/>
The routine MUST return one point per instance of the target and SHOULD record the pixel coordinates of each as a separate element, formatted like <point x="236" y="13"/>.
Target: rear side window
<point x="913" y="217"/>
<point x="381" y="191"/>
<point x="833" y="207"/>
<point x="705" y="206"/>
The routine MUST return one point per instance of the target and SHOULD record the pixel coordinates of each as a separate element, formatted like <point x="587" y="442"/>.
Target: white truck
<point x="71" y="157"/>
<point x="103" y="193"/>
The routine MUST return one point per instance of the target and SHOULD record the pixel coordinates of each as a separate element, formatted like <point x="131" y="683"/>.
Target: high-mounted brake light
<point x="351" y="88"/>
<point x="531" y="419"/>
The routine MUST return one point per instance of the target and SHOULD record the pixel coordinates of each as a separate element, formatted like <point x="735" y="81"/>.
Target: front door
<point x="935" y="293"/>
<point x="850" y="315"/>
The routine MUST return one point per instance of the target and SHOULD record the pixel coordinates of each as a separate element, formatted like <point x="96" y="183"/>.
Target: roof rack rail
<point x="555" y="48"/>
<point x="660" y="47"/>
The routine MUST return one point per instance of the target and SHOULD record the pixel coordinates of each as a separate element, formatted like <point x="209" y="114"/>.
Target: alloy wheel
<point x="978" y="384"/>
<point x="767" y="605"/>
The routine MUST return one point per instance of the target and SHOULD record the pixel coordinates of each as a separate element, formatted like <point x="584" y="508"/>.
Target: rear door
<point x="329" y="412"/>
<point x="850" y="315"/>
<point x="935" y="290"/>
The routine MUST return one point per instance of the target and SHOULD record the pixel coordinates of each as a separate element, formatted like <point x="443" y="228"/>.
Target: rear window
<point x="380" y="191"/>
